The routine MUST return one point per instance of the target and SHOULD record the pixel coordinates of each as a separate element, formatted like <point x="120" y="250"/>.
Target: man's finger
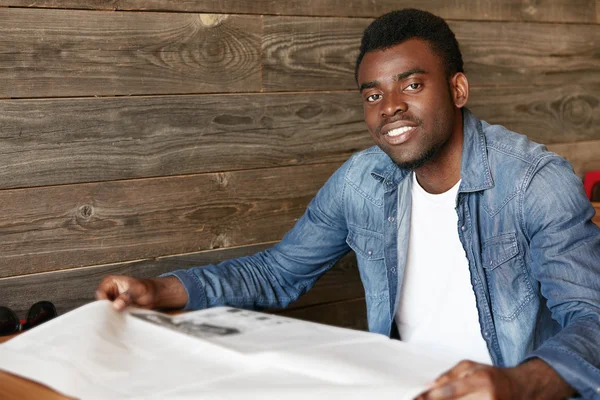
<point x="122" y="301"/>
<point x="472" y="385"/>
<point x="460" y="370"/>
<point x="455" y="389"/>
<point x="108" y="289"/>
<point x="100" y="295"/>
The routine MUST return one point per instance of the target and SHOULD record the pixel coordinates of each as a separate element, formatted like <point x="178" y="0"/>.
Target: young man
<point x="470" y="239"/>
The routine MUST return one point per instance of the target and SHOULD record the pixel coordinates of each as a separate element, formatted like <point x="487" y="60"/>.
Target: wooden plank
<point x="549" y="11"/>
<point x="62" y="141"/>
<point x="561" y="114"/>
<point x="506" y="54"/>
<point x="60" y="227"/>
<point x="70" y="289"/>
<point x="14" y="387"/>
<point x="310" y="53"/>
<point x="584" y="156"/>
<point x="6" y="339"/>
<point x="88" y="53"/>
<point x="319" y="53"/>
<point x="83" y="53"/>
<point x="70" y="140"/>
<point x="346" y="314"/>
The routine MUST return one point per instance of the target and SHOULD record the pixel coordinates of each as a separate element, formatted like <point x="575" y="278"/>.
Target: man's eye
<point x="373" y="97"/>
<point x="414" y="86"/>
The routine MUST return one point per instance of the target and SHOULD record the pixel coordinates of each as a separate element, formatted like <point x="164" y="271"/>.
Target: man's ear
<point x="460" y="89"/>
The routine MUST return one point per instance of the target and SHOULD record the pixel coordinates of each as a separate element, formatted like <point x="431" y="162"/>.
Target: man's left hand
<point x="468" y="380"/>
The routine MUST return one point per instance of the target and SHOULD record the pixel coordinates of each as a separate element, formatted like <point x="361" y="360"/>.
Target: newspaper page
<point x="95" y="352"/>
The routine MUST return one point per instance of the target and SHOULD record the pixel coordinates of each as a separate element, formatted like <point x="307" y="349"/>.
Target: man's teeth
<point x="399" y="131"/>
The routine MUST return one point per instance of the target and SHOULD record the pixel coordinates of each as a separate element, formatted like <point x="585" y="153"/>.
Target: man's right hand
<point x="126" y="291"/>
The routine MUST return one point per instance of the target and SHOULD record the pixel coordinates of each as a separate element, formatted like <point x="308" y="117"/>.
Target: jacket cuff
<point x="193" y="287"/>
<point x="576" y="371"/>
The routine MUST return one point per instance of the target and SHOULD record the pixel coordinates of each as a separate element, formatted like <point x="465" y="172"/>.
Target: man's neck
<point x="443" y="172"/>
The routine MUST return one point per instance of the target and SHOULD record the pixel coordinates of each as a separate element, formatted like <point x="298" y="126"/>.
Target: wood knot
<point x="310" y="111"/>
<point x="578" y="110"/>
<point x="222" y="240"/>
<point x="86" y="211"/>
<point x="210" y="20"/>
<point x="222" y="179"/>
<point x="531" y="10"/>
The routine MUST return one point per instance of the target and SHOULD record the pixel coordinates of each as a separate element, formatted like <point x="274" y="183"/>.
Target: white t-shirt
<point x="437" y="307"/>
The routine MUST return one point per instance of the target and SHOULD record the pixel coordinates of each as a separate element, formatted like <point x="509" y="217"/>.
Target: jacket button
<point x="391" y="219"/>
<point x="370" y="252"/>
<point x="463" y="228"/>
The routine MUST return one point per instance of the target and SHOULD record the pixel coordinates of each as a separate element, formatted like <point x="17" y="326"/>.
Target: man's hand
<point x="124" y="291"/>
<point x="533" y="379"/>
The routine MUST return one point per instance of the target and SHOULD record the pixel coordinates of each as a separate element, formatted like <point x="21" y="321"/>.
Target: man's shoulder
<point x="367" y="162"/>
<point x="365" y="172"/>
<point x="514" y="160"/>
<point x="504" y="144"/>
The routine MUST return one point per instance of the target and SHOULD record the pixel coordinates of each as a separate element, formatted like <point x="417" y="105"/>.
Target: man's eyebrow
<point x="368" y="85"/>
<point x="399" y="77"/>
<point x="408" y="73"/>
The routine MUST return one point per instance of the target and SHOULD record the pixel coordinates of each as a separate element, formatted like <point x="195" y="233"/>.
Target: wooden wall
<point x="141" y="136"/>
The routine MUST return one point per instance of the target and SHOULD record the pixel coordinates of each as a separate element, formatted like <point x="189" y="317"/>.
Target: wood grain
<point x="584" y="156"/>
<point x="319" y="53"/>
<point x="13" y="387"/>
<point x="518" y="10"/>
<point x="60" y="227"/>
<point x="88" y="53"/>
<point x="70" y="289"/>
<point x="557" y="114"/>
<point x="346" y="314"/>
<point x="62" y="141"/>
<point x="310" y="53"/>
<point x="511" y="53"/>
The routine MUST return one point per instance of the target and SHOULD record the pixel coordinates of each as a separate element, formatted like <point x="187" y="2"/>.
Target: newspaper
<point x="95" y="352"/>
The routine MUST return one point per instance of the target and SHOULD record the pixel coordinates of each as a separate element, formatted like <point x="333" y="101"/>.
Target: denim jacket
<point x="523" y="220"/>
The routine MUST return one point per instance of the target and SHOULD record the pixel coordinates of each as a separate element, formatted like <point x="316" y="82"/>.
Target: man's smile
<point x="399" y="135"/>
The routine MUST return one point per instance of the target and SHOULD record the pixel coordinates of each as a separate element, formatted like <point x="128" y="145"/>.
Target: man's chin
<point x="415" y="162"/>
<point x="410" y="165"/>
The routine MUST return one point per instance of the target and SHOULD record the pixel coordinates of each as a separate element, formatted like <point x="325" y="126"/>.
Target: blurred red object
<point x="591" y="179"/>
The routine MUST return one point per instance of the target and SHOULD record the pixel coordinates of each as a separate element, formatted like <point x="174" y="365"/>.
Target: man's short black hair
<point x="398" y="26"/>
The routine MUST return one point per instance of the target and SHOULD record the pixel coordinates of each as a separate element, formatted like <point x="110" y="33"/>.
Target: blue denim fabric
<point x="525" y="225"/>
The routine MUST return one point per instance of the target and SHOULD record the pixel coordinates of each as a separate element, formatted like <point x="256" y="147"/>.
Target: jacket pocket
<point x="366" y="244"/>
<point x="509" y="286"/>
<point x="368" y="247"/>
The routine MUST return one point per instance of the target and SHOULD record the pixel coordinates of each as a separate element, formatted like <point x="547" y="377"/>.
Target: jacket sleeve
<point x="565" y="251"/>
<point x="277" y="276"/>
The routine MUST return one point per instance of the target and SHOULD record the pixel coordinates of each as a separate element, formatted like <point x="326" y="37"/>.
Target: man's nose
<point x="393" y="103"/>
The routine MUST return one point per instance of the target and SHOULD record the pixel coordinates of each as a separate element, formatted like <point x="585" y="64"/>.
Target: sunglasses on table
<point x="39" y="313"/>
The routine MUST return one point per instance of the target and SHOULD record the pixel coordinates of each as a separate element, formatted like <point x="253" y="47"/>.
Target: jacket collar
<point x="474" y="169"/>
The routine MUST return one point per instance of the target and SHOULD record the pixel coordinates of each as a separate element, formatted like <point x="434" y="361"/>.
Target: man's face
<point x="407" y="102"/>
